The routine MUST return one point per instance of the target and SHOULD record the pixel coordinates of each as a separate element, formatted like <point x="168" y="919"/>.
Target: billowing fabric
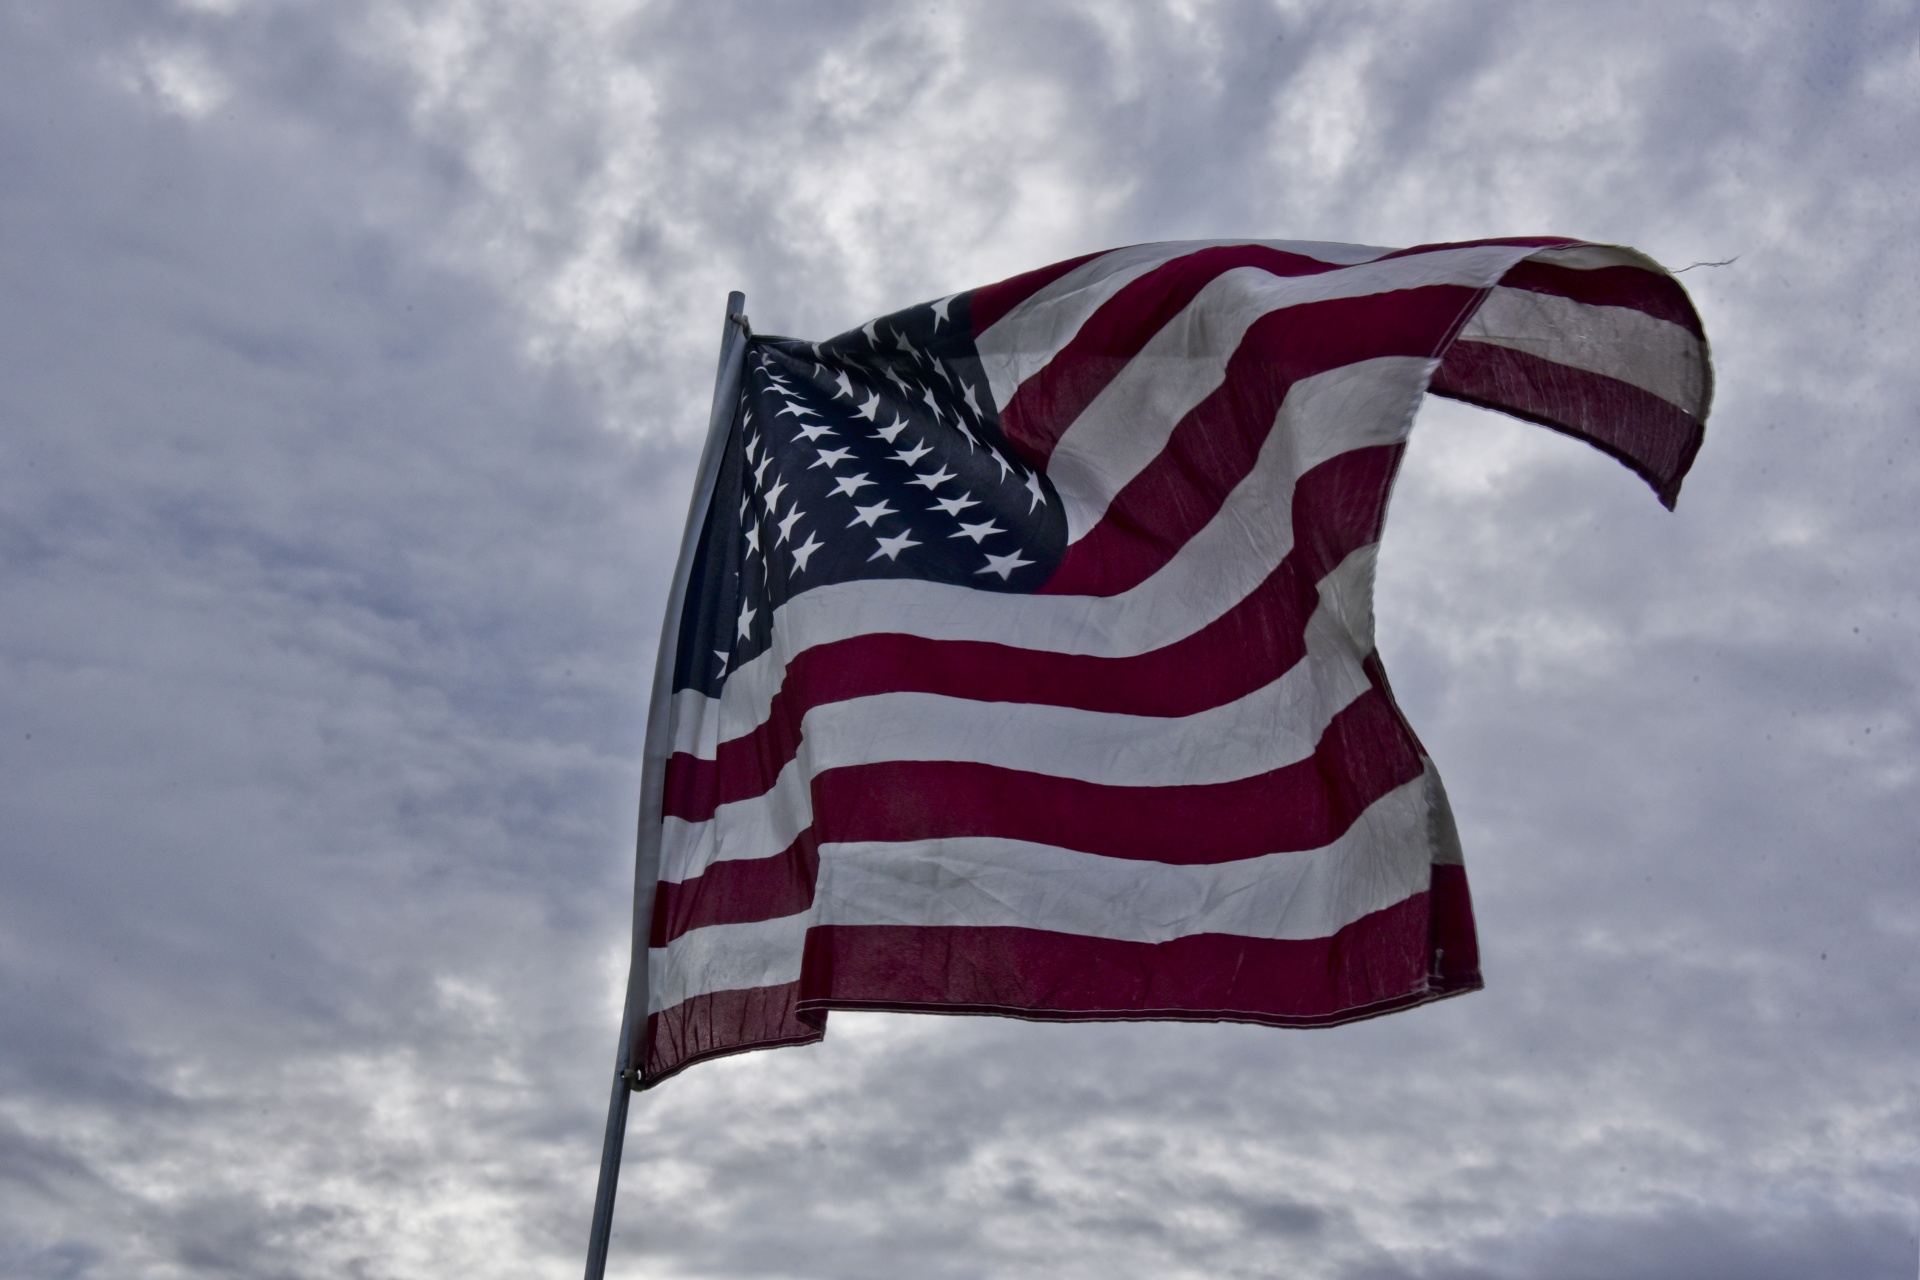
<point x="1027" y="665"/>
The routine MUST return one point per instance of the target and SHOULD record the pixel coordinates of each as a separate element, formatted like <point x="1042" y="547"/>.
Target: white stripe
<point x="1271" y="727"/>
<point x="726" y="957"/>
<point x="1443" y="837"/>
<point x="1129" y="423"/>
<point x="1385" y="857"/>
<point x="1020" y="343"/>
<point x="1619" y="342"/>
<point x="1361" y="405"/>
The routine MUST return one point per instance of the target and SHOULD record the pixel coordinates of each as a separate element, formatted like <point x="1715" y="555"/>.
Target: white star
<point x="804" y="552"/>
<point x="867" y="515"/>
<point x="873" y="335"/>
<point x="1005" y="466"/>
<point x="724" y="657"/>
<point x="1033" y="487"/>
<point x="776" y="379"/>
<point x="746" y="621"/>
<point x="888" y="433"/>
<point x="871" y="407"/>
<point x="759" y="472"/>
<point x="845" y="385"/>
<point x="940" y="367"/>
<point x="966" y="390"/>
<point x="851" y="485"/>
<point x="933" y="480"/>
<point x="903" y="342"/>
<point x="830" y="458"/>
<point x="977" y="531"/>
<point x="972" y="444"/>
<point x="773" y="495"/>
<point x="932" y="404"/>
<point x="753" y="447"/>
<point x="786" y="524"/>
<point x="892" y="547"/>
<point x="1003" y="565"/>
<point x="753" y="539"/>
<point x="913" y="455"/>
<point x="814" y="430"/>
<point x="746" y="500"/>
<point x="797" y="409"/>
<point x="893" y="375"/>
<point x="954" y="506"/>
<point x="940" y="309"/>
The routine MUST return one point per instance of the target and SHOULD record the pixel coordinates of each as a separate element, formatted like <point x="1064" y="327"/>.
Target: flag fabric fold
<point x="1027" y="664"/>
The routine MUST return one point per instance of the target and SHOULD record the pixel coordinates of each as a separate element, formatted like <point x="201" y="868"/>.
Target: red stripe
<point x="738" y="891"/>
<point x="1377" y="964"/>
<point x="1048" y="402"/>
<point x="1654" y="437"/>
<point x="1653" y="292"/>
<point x="1373" y="966"/>
<point x="1519" y="242"/>
<point x="1306" y="805"/>
<point x="1452" y="939"/>
<point x="1217" y="443"/>
<point x="990" y="303"/>
<point x="1338" y="507"/>
<point x="724" y="1022"/>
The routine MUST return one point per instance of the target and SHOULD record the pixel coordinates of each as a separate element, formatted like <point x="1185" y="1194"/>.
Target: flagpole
<point x="626" y="1076"/>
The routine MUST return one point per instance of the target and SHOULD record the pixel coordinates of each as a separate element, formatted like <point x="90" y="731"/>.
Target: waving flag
<point x="1027" y="667"/>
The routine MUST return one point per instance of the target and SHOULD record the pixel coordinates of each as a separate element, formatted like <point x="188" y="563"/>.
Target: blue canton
<point x="876" y="454"/>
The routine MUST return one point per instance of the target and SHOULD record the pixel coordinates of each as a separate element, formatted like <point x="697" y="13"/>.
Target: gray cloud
<point x="1687" y="1241"/>
<point x="350" y="355"/>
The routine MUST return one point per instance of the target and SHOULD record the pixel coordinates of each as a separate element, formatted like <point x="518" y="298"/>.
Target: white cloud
<point x="180" y="78"/>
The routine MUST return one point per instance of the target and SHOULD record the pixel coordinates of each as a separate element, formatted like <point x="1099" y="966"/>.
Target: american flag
<point x="1027" y="662"/>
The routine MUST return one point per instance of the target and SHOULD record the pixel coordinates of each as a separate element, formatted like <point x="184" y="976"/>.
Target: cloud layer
<point x="351" y="358"/>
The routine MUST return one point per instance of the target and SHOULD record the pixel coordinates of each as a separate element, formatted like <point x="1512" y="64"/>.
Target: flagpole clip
<point x="632" y="1076"/>
<point x="740" y="319"/>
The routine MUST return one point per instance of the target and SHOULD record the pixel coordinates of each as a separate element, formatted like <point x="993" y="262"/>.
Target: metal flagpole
<point x="726" y="390"/>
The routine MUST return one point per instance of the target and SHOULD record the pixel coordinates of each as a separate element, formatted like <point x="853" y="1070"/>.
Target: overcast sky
<point x="352" y="359"/>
